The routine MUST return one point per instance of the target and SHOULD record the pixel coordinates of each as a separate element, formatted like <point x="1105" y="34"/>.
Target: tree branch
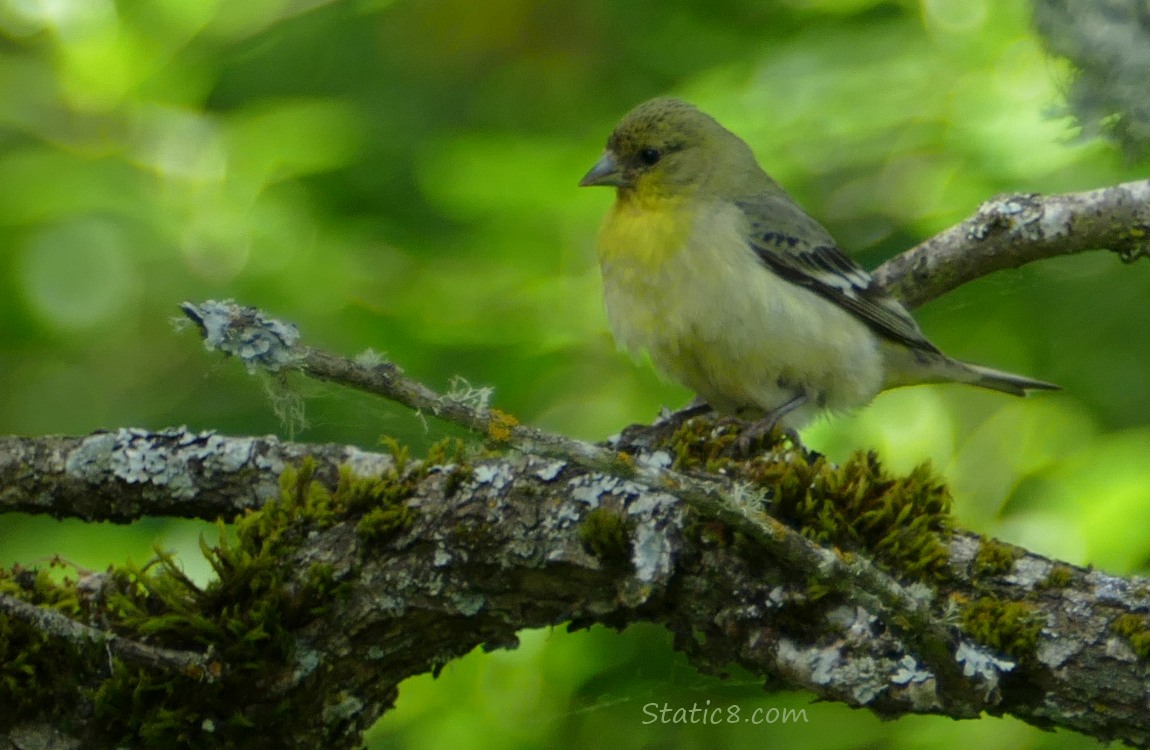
<point x="500" y="544"/>
<point x="1013" y="230"/>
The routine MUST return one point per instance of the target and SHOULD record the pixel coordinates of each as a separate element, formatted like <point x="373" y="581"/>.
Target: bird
<point x="737" y="293"/>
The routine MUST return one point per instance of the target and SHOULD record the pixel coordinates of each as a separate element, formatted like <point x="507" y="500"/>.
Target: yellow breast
<point x="641" y="233"/>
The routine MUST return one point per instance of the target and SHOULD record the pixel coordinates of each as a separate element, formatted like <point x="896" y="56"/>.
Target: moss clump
<point x="306" y="505"/>
<point x="246" y="616"/>
<point x="379" y="524"/>
<point x="994" y="558"/>
<point x="903" y="523"/>
<point x="244" y="622"/>
<point x="1059" y="577"/>
<point x="606" y="534"/>
<point x="1136" y="630"/>
<point x="1009" y="627"/>
<point x="702" y="445"/>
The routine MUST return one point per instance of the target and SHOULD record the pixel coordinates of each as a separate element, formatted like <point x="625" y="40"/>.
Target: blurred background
<point x="401" y="176"/>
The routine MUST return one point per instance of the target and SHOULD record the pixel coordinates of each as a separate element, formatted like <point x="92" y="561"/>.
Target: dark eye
<point x="649" y="156"/>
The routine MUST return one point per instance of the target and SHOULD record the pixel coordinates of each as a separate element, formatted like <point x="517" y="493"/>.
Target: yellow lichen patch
<point x="499" y="425"/>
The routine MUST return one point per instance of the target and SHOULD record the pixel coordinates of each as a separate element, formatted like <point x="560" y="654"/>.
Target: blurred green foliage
<point x="401" y="175"/>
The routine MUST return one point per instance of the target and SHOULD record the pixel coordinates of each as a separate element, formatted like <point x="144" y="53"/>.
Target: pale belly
<point x="717" y="321"/>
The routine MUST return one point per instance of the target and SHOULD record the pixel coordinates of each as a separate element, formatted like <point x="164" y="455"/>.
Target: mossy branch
<point x="348" y="580"/>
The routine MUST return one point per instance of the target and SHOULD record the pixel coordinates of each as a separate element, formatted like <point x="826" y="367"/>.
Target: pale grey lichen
<point x="1021" y="213"/>
<point x="869" y="678"/>
<point x="651" y="503"/>
<point x="855" y="621"/>
<point x="659" y="459"/>
<point x="468" y="604"/>
<point x="1108" y="589"/>
<point x="1053" y="652"/>
<point x="370" y="358"/>
<point x="863" y="677"/>
<point x="1120" y="650"/>
<point x="262" y="343"/>
<point x="473" y="397"/>
<point x="590" y="488"/>
<point x="909" y="671"/>
<point x="307" y="660"/>
<point x="1029" y="572"/>
<point x="366" y="464"/>
<point x="346" y="707"/>
<point x="498" y="475"/>
<point x="137" y="459"/>
<point x="550" y="470"/>
<point x="92" y="459"/>
<point x="651" y="554"/>
<point x="978" y="662"/>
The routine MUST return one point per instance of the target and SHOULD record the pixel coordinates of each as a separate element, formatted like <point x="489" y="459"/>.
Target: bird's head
<point x="666" y="147"/>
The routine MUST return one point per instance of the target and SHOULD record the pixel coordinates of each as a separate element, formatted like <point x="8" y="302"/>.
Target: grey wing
<point x="796" y="247"/>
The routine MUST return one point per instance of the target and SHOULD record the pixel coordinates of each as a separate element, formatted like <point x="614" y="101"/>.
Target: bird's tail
<point x="995" y="380"/>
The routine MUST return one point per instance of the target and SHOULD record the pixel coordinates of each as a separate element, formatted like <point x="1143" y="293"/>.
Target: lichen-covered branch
<point x="129" y="474"/>
<point x="1013" y="230"/>
<point x="355" y="579"/>
<point x="233" y="329"/>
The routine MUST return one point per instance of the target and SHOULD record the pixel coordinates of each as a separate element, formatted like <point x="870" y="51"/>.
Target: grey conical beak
<point x="605" y="172"/>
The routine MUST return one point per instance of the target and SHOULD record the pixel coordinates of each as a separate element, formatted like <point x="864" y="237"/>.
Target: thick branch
<point x="495" y="546"/>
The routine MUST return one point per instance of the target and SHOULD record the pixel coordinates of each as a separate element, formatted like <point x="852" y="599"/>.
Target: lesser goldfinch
<point x="736" y="292"/>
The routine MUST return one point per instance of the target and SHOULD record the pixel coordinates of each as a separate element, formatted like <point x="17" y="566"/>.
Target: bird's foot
<point x="759" y="434"/>
<point x="755" y="437"/>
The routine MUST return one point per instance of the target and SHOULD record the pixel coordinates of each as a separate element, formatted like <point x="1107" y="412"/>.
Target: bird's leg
<point x="666" y="424"/>
<point x="762" y="427"/>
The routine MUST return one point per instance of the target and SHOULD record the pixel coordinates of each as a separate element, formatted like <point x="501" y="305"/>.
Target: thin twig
<point x="51" y="622"/>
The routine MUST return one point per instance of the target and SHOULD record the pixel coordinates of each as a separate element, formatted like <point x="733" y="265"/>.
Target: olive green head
<point x="666" y="146"/>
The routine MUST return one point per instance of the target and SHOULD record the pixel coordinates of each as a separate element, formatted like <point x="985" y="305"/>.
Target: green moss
<point x="1059" y="577"/>
<point x="379" y="524"/>
<point x="244" y="620"/>
<point x="994" y="558"/>
<point x="1136" y="630"/>
<point x="446" y="451"/>
<point x="903" y="523"/>
<point x="606" y="534"/>
<point x="35" y="668"/>
<point x="703" y="445"/>
<point x="1009" y="627"/>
